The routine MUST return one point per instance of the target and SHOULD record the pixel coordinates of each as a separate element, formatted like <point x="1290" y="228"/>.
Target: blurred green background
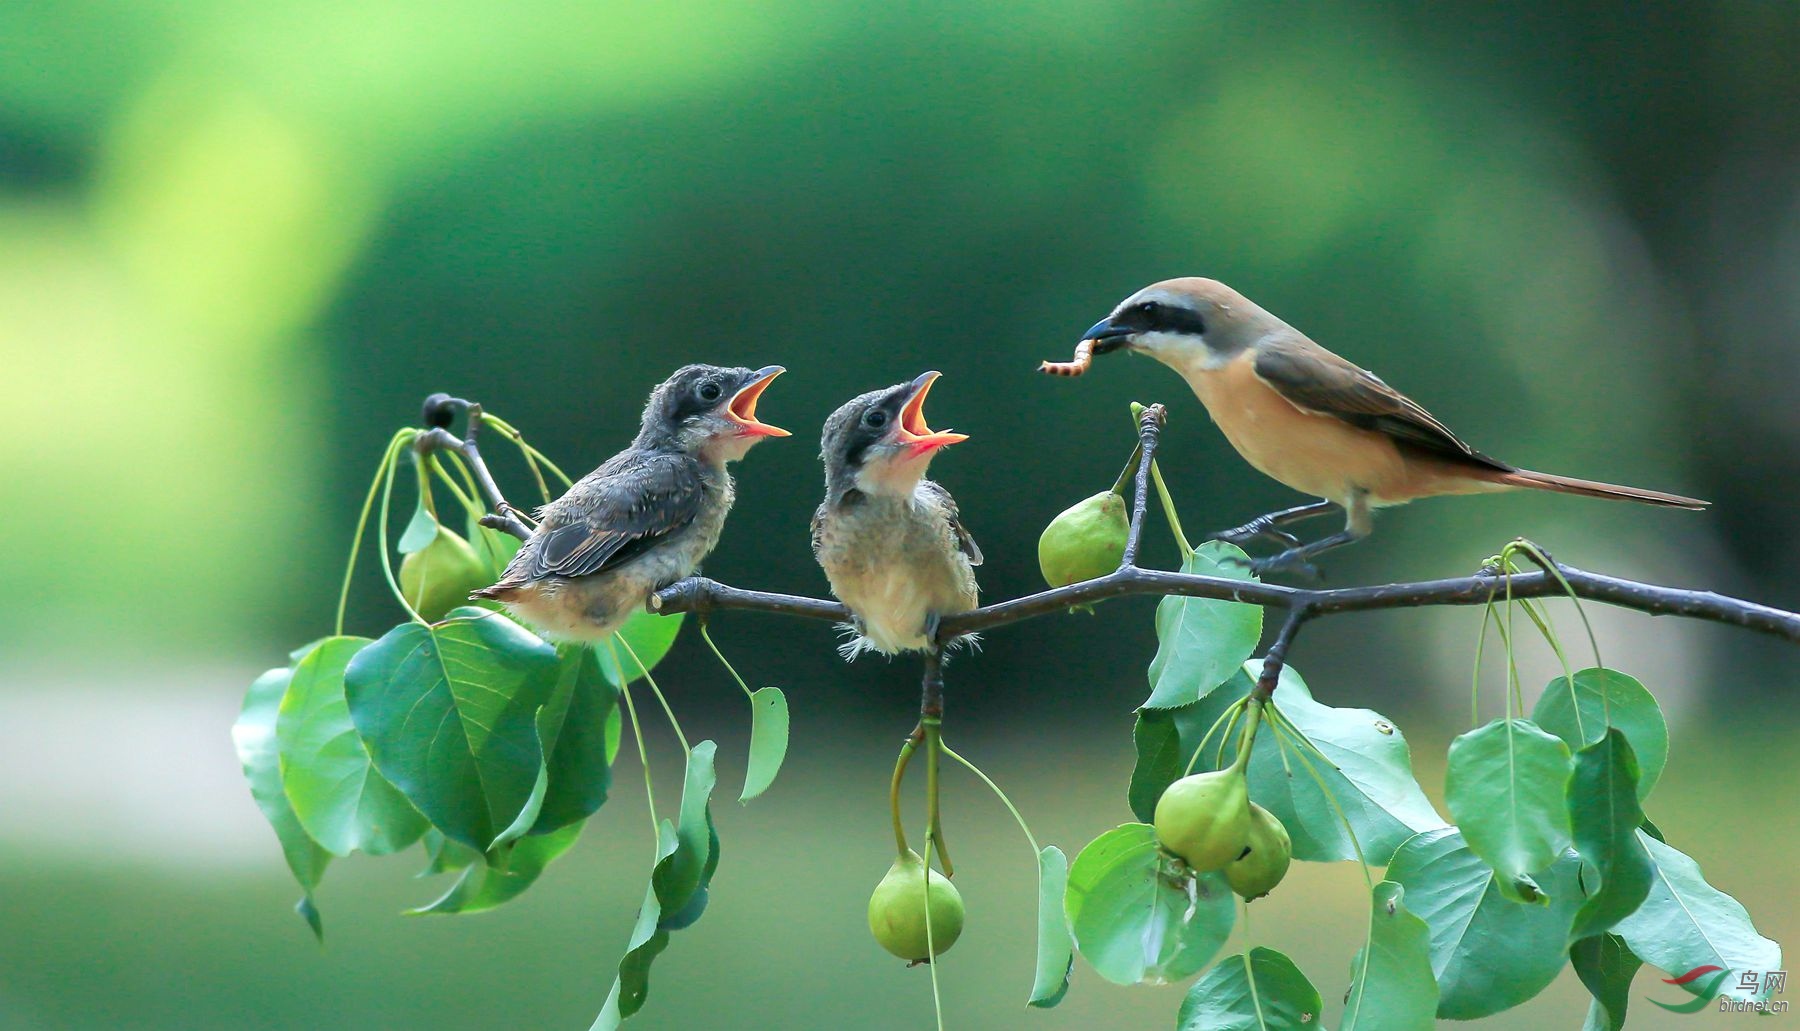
<point x="240" y="241"/>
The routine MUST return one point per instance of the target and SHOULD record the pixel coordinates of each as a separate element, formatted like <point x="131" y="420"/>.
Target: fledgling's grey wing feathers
<point x="964" y="539"/>
<point x="630" y="508"/>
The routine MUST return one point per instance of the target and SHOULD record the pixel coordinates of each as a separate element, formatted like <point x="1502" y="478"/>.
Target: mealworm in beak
<point x="1084" y="356"/>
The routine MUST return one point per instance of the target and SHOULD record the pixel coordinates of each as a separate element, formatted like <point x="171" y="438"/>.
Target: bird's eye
<point x="875" y="418"/>
<point x="709" y="391"/>
<point x="1149" y="309"/>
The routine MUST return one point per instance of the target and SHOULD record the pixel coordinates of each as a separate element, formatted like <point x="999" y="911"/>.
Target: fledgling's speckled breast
<point x="895" y="562"/>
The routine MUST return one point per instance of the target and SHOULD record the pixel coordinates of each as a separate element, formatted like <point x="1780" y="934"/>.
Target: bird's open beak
<point x="1106" y="336"/>
<point x="912" y="430"/>
<point x="742" y="409"/>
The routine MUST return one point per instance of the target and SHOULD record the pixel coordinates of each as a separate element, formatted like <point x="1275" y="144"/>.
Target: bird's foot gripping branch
<point x="464" y="733"/>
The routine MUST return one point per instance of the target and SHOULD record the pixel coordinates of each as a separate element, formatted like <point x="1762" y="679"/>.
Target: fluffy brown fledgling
<point x="891" y="542"/>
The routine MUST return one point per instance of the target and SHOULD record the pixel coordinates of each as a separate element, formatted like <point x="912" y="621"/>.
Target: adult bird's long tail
<point x="1596" y="489"/>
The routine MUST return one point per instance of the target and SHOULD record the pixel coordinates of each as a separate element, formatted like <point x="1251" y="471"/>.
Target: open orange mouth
<point x="742" y="409"/>
<point x="913" y="431"/>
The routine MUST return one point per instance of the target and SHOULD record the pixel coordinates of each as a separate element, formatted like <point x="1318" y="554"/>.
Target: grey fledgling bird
<point x="891" y="542"/>
<point x="647" y="516"/>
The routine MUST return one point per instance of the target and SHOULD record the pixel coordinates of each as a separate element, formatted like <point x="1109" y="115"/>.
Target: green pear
<point x="1259" y="870"/>
<point x="1087" y="540"/>
<point x="1205" y="818"/>
<point x="897" y="910"/>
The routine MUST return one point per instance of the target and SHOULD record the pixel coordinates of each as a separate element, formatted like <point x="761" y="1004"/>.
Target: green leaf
<point x="1055" y="955"/>
<point x="1506" y="786"/>
<point x="443" y="855"/>
<point x="648" y="939"/>
<point x="577" y="727"/>
<point x="1262" y="991"/>
<point x="650" y="636"/>
<point x="1604" y="815"/>
<point x="1396" y="988"/>
<point x="1606" y="966"/>
<point x="484" y="888"/>
<point x="768" y="740"/>
<point x="1158" y="735"/>
<point x="1138" y="919"/>
<point x="420" y="530"/>
<point x="338" y="797"/>
<point x="253" y="735"/>
<point x="1603" y="698"/>
<point x="449" y="714"/>
<point x="1488" y="952"/>
<point x="299" y="653"/>
<point x="1686" y="923"/>
<point x="678" y="877"/>
<point x="1369" y="769"/>
<point x="1202" y="642"/>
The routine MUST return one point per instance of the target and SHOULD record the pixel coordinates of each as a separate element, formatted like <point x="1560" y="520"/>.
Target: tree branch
<point x="701" y="595"/>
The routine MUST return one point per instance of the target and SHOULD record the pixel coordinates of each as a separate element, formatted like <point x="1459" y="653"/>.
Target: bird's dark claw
<point x="1292" y="561"/>
<point x="1242" y="535"/>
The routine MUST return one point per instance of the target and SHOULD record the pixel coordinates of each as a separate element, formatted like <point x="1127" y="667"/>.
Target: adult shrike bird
<point x="647" y="516"/>
<point x="891" y="542"/>
<point x="1310" y="419"/>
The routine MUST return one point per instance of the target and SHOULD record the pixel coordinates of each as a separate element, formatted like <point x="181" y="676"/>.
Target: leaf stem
<point x="1127" y="474"/>
<point x="729" y="668"/>
<point x="906" y="753"/>
<point x="937" y="1001"/>
<point x="637" y="731"/>
<point x="362" y="522"/>
<point x="934" y="826"/>
<point x="469" y="504"/>
<point x="1230" y="712"/>
<point x="387" y="563"/>
<point x="1248" y="738"/>
<point x="657" y="691"/>
<point x="533" y="457"/>
<point x="1169" y="513"/>
<point x="995" y="788"/>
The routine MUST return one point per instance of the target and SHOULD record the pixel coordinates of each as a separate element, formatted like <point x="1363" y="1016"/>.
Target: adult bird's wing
<point x="626" y="512"/>
<point x="964" y="540"/>
<point x="1314" y="380"/>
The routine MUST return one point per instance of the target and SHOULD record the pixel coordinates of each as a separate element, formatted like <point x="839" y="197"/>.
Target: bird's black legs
<point x="1299" y="560"/>
<point x="1267" y="526"/>
<point x="1358" y="523"/>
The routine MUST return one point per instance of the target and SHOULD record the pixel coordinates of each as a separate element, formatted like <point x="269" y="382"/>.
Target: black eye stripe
<point x="1153" y="316"/>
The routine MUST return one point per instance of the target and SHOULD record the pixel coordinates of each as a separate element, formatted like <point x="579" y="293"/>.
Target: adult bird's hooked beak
<point x="742" y="409"/>
<point x="911" y="428"/>
<point x="1107" y="336"/>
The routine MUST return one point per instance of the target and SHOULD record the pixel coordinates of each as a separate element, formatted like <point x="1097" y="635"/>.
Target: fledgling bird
<point x="891" y="542"/>
<point x="647" y="516"/>
<point x="1310" y="419"/>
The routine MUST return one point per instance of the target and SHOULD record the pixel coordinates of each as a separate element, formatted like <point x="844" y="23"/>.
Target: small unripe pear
<point x="1087" y="540"/>
<point x="1205" y="818"/>
<point x="439" y="576"/>
<point x="898" y="907"/>
<point x="1263" y="867"/>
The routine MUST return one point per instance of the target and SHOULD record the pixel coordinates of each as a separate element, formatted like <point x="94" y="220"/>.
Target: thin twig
<point x="1149" y="434"/>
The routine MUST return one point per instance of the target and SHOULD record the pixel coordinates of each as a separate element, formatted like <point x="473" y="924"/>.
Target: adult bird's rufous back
<point x="1308" y="418"/>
